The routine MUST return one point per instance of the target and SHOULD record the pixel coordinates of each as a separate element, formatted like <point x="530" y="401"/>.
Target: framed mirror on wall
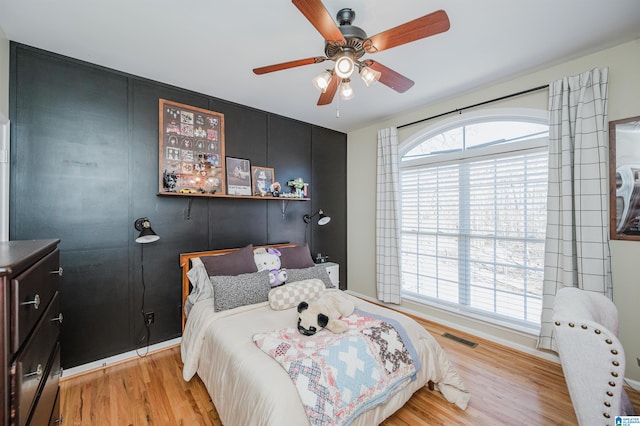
<point x="624" y="178"/>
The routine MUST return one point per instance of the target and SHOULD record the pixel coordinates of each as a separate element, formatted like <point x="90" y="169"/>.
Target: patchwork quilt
<point x="338" y="376"/>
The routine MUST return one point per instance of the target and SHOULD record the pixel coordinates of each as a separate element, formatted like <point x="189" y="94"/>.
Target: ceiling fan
<point x="347" y="44"/>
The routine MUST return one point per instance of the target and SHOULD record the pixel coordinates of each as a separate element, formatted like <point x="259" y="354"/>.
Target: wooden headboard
<point x="185" y="264"/>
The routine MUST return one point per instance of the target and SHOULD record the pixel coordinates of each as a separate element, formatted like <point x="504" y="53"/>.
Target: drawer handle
<point x="58" y="420"/>
<point x="59" y="318"/>
<point x="35" y="302"/>
<point x="37" y="373"/>
<point x="58" y="272"/>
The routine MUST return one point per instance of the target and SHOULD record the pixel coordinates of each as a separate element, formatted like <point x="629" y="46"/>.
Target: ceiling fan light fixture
<point x="346" y="91"/>
<point x="322" y="81"/>
<point x="369" y="75"/>
<point x="344" y="66"/>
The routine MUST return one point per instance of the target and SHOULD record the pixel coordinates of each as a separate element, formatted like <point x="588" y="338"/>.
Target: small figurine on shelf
<point x="297" y="185"/>
<point x="275" y="189"/>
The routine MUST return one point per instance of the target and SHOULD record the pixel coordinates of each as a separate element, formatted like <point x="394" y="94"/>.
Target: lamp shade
<point x="146" y="233"/>
<point x="321" y="82"/>
<point x="323" y="219"/>
<point x="344" y="66"/>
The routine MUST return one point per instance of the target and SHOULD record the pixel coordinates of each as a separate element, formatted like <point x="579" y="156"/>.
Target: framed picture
<point x="262" y="179"/>
<point x="624" y="179"/>
<point x="191" y="150"/>
<point x="238" y="176"/>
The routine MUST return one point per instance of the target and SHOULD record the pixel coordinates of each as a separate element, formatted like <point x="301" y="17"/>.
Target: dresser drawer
<point x="31" y="365"/>
<point x="47" y="399"/>
<point x="32" y="291"/>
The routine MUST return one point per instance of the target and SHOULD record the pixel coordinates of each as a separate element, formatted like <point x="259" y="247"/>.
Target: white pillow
<point x="290" y="295"/>
<point x="201" y="284"/>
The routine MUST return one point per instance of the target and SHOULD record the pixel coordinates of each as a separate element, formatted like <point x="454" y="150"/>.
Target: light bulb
<point x="344" y="67"/>
<point x="322" y="81"/>
<point x="346" y="92"/>
<point x="369" y="76"/>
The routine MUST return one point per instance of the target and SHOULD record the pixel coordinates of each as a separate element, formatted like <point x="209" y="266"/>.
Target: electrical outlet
<point x="149" y="318"/>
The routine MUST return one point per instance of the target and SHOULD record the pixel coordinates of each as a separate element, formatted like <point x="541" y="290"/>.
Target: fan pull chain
<point x="338" y="107"/>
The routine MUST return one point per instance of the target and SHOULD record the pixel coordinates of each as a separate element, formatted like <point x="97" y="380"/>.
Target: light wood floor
<point x="507" y="388"/>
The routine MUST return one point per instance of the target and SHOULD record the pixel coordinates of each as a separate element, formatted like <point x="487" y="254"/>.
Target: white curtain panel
<point x="388" y="217"/>
<point x="577" y="241"/>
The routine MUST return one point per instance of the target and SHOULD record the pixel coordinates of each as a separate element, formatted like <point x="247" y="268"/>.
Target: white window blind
<point x="473" y="230"/>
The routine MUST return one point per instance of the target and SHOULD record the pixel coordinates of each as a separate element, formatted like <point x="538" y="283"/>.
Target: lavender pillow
<point x="296" y="257"/>
<point x="235" y="263"/>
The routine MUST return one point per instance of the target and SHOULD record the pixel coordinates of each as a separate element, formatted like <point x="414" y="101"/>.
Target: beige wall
<point x="624" y="101"/>
<point x="4" y="74"/>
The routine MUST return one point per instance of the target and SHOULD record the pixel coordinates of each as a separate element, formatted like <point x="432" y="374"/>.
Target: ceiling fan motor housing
<point x="353" y="35"/>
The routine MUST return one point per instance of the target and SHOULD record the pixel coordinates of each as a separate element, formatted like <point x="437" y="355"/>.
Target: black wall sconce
<point x="322" y="218"/>
<point x="146" y="236"/>
<point x="146" y="233"/>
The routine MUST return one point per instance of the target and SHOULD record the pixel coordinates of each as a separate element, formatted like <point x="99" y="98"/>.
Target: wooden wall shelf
<point x="252" y="197"/>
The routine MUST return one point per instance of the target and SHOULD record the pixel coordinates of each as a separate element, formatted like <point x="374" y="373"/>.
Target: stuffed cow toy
<point x="324" y="312"/>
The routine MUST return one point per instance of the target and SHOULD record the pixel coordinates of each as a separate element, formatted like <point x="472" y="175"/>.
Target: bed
<point x="247" y="386"/>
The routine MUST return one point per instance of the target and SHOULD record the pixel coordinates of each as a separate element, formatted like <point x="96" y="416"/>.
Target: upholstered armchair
<point x="586" y="330"/>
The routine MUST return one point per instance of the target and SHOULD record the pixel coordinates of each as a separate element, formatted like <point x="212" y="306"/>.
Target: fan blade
<point x="389" y="77"/>
<point x="319" y="17"/>
<point x="327" y="97"/>
<point x="290" y="64"/>
<point x="434" y="23"/>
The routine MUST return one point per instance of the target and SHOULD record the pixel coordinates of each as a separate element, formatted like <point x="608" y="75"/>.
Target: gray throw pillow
<point x="232" y="291"/>
<point x="317" y="271"/>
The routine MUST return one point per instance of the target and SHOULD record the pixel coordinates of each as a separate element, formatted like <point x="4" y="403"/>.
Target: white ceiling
<point x="212" y="46"/>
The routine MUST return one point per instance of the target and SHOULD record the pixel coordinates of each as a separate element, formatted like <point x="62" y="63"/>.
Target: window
<point x="473" y="215"/>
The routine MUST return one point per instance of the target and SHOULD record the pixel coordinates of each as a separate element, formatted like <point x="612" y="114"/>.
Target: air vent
<point x="460" y="340"/>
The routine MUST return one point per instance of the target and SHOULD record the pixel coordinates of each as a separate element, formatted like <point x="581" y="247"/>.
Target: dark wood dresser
<point x="30" y="333"/>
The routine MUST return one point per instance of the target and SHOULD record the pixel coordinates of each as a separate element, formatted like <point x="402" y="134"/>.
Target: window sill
<point x="470" y="313"/>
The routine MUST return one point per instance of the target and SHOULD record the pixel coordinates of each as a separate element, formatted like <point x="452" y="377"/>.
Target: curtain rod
<point x="535" y="89"/>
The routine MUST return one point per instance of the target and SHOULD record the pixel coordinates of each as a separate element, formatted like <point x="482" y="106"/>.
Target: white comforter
<point x="250" y="388"/>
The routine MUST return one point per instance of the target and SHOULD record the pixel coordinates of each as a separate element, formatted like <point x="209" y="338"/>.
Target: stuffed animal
<point x="324" y="312"/>
<point x="269" y="259"/>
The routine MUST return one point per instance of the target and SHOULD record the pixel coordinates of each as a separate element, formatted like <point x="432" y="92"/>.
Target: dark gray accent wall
<point x="84" y="166"/>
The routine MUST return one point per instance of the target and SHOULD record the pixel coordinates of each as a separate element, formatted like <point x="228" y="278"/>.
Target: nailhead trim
<point x="615" y="363"/>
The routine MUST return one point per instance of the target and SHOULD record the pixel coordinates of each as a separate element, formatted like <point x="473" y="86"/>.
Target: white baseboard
<point x="483" y="335"/>
<point x="117" y="359"/>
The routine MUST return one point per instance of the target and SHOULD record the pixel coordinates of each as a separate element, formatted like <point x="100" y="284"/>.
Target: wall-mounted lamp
<point x="146" y="233"/>
<point x="322" y="218"/>
<point x="146" y="236"/>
